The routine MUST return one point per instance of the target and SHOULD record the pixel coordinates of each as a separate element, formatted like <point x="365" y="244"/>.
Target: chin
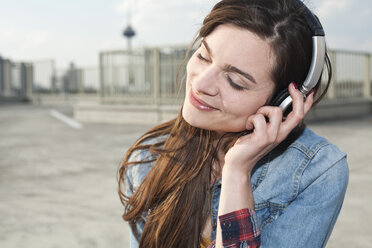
<point x="199" y="120"/>
<point x="193" y="120"/>
<point x="190" y="118"/>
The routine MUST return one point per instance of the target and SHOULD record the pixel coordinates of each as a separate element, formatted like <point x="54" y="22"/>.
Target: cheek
<point x="247" y="106"/>
<point x="191" y="66"/>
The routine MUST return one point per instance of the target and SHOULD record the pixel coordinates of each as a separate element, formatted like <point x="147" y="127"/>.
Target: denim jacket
<point x="298" y="194"/>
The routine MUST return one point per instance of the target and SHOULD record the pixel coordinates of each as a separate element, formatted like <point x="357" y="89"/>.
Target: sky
<point x="77" y="30"/>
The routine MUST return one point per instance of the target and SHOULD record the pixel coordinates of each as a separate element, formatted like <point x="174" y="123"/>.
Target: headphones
<point x="284" y="100"/>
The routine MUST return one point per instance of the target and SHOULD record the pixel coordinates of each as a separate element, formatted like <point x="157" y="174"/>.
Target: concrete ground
<point x="58" y="184"/>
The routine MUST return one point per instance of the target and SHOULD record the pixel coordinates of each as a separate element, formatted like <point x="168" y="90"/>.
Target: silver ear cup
<point x="283" y="100"/>
<point x="287" y="102"/>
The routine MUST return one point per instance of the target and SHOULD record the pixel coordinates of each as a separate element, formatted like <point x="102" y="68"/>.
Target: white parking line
<point x="67" y="120"/>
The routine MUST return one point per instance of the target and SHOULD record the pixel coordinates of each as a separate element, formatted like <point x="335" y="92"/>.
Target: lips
<point x="199" y="104"/>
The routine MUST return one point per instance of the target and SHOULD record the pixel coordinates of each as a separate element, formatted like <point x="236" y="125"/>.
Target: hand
<point x="249" y="149"/>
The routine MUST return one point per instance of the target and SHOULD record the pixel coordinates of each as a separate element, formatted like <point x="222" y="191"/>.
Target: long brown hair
<point x="175" y="194"/>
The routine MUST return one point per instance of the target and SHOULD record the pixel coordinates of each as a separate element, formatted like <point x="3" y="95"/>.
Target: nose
<point x="205" y="81"/>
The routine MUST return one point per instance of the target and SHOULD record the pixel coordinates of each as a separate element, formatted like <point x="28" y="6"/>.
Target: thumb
<point x="249" y="124"/>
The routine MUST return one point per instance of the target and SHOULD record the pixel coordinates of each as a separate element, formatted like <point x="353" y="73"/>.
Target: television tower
<point x="129" y="33"/>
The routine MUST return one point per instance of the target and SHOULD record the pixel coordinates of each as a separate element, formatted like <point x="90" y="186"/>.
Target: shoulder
<point x="309" y="144"/>
<point x="316" y="154"/>
<point x="307" y="160"/>
<point x="309" y="151"/>
<point x="300" y="192"/>
<point x="318" y="158"/>
<point x="136" y="173"/>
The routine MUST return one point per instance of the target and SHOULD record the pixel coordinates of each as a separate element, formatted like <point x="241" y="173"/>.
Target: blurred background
<point x="80" y="81"/>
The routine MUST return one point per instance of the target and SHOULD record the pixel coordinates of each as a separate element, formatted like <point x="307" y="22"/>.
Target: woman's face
<point x="228" y="79"/>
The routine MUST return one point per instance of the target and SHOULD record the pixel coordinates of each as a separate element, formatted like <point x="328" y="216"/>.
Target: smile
<point x="199" y="104"/>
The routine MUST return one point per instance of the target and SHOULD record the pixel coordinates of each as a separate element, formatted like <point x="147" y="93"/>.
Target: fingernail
<point x="313" y="91"/>
<point x="294" y="85"/>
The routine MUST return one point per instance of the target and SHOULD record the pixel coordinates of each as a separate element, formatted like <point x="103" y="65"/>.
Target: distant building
<point x="16" y="79"/>
<point x="72" y="79"/>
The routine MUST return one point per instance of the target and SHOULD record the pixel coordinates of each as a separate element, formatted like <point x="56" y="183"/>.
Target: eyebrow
<point x="230" y="68"/>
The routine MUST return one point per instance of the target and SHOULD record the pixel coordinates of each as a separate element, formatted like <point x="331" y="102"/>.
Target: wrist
<point x="241" y="172"/>
<point x="236" y="192"/>
<point x="236" y="180"/>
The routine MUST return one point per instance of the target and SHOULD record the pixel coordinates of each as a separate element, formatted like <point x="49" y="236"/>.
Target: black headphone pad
<point x="280" y="98"/>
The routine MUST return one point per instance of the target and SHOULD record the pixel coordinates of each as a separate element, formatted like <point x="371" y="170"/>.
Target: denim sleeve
<point x="128" y="190"/>
<point x="134" y="176"/>
<point x="133" y="243"/>
<point x="309" y="219"/>
<point x="128" y="183"/>
<point x="136" y="173"/>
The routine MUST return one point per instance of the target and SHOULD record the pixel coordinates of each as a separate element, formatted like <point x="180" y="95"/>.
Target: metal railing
<point x="148" y="76"/>
<point x="351" y="75"/>
<point x="142" y="76"/>
<point x="154" y="75"/>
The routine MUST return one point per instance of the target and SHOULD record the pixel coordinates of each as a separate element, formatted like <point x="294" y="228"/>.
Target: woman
<point x="203" y="177"/>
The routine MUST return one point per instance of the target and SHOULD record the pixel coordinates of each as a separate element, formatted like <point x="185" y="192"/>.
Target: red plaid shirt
<point x="239" y="229"/>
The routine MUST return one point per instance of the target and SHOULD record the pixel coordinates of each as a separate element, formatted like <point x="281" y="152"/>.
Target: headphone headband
<point x="311" y="19"/>
<point x="317" y="61"/>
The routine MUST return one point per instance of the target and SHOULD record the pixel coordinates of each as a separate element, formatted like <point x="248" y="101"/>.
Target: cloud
<point x="126" y="7"/>
<point x="328" y="8"/>
<point x="123" y="7"/>
<point x="35" y="38"/>
<point x="22" y="38"/>
<point x="164" y="22"/>
<point x="21" y="44"/>
<point x="367" y="45"/>
<point x="160" y="22"/>
<point x="345" y="22"/>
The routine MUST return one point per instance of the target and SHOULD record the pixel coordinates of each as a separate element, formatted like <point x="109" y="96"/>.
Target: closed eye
<point x="233" y="84"/>
<point x="202" y="58"/>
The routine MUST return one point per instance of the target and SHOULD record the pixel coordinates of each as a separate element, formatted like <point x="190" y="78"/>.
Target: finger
<point x="259" y="123"/>
<point x="297" y="101"/>
<point x="249" y="124"/>
<point x="309" y="102"/>
<point x="297" y="113"/>
<point x="275" y="116"/>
